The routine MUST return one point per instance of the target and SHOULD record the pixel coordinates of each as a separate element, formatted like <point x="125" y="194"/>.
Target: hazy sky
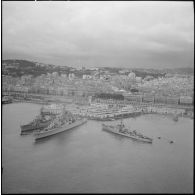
<point x="115" y="33"/>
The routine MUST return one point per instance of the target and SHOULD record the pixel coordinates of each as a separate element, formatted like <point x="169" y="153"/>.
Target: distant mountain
<point x="18" y="68"/>
<point x="186" y="70"/>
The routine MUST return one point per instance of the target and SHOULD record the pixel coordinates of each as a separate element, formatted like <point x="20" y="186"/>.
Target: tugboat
<point x="39" y="122"/>
<point x="121" y="130"/>
<point x="61" y="123"/>
<point x="6" y="100"/>
<point x="175" y="118"/>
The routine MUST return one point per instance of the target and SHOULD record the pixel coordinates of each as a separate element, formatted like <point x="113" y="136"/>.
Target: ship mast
<point x="122" y="123"/>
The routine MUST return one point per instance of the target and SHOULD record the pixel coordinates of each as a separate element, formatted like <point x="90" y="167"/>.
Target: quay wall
<point x="130" y="99"/>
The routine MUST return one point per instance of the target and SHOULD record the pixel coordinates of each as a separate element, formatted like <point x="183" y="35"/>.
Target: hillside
<point x="187" y="70"/>
<point x="17" y="68"/>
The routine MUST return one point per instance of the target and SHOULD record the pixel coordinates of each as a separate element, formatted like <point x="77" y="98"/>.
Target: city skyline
<point x="119" y="34"/>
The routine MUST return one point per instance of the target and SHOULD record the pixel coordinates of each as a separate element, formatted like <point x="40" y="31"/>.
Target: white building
<point x="55" y="74"/>
<point x="87" y="76"/>
<point x="71" y="76"/>
<point x="186" y="100"/>
<point x="63" y="75"/>
<point x="132" y="75"/>
<point x="138" y="79"/>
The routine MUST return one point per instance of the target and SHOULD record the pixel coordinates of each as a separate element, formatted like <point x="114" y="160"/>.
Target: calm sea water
<point x="89" y="160"/>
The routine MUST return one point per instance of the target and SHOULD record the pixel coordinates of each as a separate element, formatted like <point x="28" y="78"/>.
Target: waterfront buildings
<point x="172" y="89"/>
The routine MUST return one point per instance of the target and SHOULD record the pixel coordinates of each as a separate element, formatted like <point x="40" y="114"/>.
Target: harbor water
<point x="88" y="160"/>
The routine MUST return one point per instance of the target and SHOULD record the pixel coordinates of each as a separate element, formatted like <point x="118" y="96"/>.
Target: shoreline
<point x="117" y="117"/>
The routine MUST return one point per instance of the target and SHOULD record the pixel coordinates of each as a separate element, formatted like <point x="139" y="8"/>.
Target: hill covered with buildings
<point x="18" y="68"/>
<point x="136" y="84"/>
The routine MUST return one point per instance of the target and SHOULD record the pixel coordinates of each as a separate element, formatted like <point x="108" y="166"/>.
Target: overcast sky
<point x="115" y="33"/>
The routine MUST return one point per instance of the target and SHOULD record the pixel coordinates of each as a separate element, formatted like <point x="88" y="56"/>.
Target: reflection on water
<point x="89" y="160"/>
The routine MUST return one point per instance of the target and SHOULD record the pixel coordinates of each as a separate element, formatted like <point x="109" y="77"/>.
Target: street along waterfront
<point x="87" y="159"/>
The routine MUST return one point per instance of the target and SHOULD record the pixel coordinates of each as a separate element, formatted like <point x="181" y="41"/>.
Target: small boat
<point x="175" y="118"/>
<point x="6" y="100"/>
<point x="192" y="116"/>
<point x="171" y="142"/>
<point x="121" y="130"/>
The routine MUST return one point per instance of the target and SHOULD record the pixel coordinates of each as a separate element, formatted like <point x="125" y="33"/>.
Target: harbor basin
<point x="87" y="159"/>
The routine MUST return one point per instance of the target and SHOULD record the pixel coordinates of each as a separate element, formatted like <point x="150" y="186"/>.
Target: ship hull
<point x="48" y="133"/>
<point x="109" y="129"/>
<point x="6" y="101"/>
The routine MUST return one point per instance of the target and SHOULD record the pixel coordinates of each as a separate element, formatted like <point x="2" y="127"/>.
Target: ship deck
<point x="126" y="135"/>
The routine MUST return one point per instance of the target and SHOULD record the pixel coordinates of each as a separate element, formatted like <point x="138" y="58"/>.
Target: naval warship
<point x="121" y="130"/>
<point x="39" y="122"/>
<point x="61" y="123"/>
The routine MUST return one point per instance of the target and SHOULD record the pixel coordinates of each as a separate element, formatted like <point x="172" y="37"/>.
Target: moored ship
<point x="52" y="131"/>
<point x="7" y="100"/>
<point x="121" y="130"/>
<point x="63" y="122"/>
<point x="38" y="123"/>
